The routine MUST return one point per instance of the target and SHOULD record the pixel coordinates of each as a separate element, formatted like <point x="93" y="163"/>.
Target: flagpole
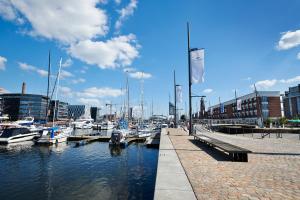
<point x="175" y="115"/>
<point x="190" y="82"/>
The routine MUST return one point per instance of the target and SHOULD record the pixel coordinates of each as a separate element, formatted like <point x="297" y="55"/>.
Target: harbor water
<point x="93" y="171"/>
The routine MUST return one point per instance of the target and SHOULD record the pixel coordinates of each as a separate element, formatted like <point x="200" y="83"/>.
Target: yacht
<point x="55" y="135"/>
<point x="12" y="134"/>
<point x="83" y="123"/>
<point x="27" y="121"/>
<point x="107" y="125"/>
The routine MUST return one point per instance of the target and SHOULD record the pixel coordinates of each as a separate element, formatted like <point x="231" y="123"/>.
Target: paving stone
<point x="272" y="170"/>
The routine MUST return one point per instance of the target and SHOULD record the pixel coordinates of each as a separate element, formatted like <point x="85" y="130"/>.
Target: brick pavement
<point x="273" y="170"/>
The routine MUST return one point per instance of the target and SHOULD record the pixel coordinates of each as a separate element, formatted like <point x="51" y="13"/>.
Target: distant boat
<point x="15" y="134"/>
<point x="83" y="123"/>
<point x="55" y="135"/>
<point x="107" y="125"/>
<point x="27" y="121"/>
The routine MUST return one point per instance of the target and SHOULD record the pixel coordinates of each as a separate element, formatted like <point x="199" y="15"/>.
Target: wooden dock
<point x="134" y="139"/>
<point x="86" y="139"/>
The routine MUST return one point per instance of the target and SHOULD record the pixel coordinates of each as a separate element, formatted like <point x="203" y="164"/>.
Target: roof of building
<point x="21" y="95"/>
<point x="249" y="96"/>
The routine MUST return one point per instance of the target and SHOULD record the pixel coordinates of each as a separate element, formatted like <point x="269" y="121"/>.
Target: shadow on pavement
<point x="215" y="153"/>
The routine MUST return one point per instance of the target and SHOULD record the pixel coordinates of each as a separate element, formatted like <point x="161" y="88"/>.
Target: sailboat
<point x="55" y="134"/>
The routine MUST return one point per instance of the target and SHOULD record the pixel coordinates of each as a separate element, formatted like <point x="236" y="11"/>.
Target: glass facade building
<point x="18" y="106"/>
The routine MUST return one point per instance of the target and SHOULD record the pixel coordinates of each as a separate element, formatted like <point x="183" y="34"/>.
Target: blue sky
<point x="246" y="42"/>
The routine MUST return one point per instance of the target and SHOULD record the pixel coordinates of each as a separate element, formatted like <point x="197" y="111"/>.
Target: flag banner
<point x="197" y="66"/>
<point x="179" y="93"/>
<point x="239" y="104"/>
<point x="211" y="111"/>
<point x="222" y="109"/>
<point x="171" y="109"/>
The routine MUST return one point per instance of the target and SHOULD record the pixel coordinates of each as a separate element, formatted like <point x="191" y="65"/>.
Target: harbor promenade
<point x="272" y="172"/>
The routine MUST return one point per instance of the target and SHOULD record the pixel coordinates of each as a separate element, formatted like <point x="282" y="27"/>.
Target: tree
<point x="283" y="121"/>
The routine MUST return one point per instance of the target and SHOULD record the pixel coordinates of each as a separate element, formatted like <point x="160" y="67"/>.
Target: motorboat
<point x="27" y="121"/>
<point x="107" y="125"/>
<point x="54" y="135"/>
<point x="118" y="138"/>
<point x="13" y="134"/>
<point x="83" y="123"/>
<point x="143" y="133"/>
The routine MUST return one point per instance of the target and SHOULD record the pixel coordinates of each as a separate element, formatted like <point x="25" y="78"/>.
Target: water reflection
<point x="94" y="171"/>
<point x="92" y="132"/>
<point x="115" y="150"/>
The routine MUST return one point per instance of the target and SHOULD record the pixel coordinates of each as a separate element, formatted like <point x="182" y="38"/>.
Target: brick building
<point x="252" y="108"/>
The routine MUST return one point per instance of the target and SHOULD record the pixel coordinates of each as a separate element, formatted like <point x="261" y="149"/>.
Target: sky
<point x="103" y="41"/>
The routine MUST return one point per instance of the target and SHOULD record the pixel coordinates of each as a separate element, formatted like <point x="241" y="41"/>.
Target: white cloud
<point x="8" y="12"/>
<point x="118" y="51"/>
<point x="65" y="74"/>
<point x="265" y="84"/>
<point x="95" y="92"/>
<point x="2" y="90"/>
<point x="3" y="61"/>
<point x="66" y="21"/>
<point x="79" y="80"/>
<point x="77" y="26"/>
<point x="42" y="72"/>
<point x="66" y="91"/>
<point x="129" y="69"/>
<point x="133" y="73"/>
<point x="298" y="56"/>
<point x="67" y="63"/>
<point x="118" y="1"/>
<point x="289" y="40"/>
<point x="291" y="80"/>
<point x="27" y="67"/>
<point x="90" y="101"/>
<point x="125" y="13"/>
<point x="140" y="75"/>
<point x="207" y="91"/>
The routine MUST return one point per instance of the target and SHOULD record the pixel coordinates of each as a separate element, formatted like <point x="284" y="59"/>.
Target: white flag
<point x="239" y="104"/>
<point x="197" y="65"/>
<point x="179" y="93"/>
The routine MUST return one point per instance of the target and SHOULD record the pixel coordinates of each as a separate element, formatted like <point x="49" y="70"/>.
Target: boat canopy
<point x="10" y="132"/>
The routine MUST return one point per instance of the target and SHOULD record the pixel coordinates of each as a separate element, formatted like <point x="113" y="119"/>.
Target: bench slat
<point x="222" y="145"/>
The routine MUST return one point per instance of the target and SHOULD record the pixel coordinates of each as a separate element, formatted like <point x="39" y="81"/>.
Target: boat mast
<point x="142" y="97"/>
<point x="57" y="87"/>
<point x="127" y="90"/>
<point x="48" y="85"/>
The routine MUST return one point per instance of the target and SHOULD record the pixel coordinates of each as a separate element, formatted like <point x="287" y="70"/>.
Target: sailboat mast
<point x="142" y="97"/>
<point x="48" y="86"/>
<point x="56" y="92"/>
<point x="127" y="89"/>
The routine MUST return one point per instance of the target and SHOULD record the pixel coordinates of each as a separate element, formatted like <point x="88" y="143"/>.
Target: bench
<point x="235" y="153"/>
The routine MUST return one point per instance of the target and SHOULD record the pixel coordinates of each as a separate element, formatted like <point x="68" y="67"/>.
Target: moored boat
<point x="118" y="138"/>
<point x="15" y="134"/>
<point x="54" y="135"/>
